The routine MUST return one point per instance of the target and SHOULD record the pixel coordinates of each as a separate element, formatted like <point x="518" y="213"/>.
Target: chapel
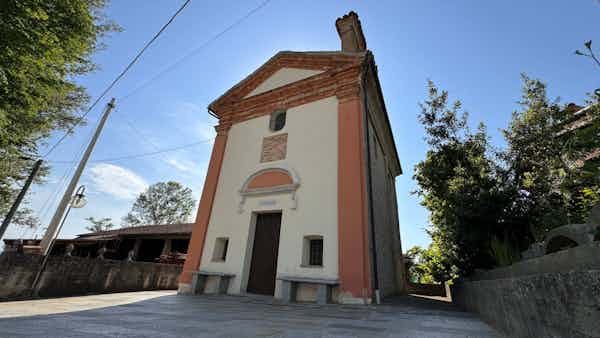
<point x="299" y="201"/>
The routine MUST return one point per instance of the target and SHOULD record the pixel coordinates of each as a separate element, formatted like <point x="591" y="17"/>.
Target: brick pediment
<point x="335" y="73"/>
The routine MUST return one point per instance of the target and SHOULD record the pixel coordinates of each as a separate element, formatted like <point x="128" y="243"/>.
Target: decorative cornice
<point x="270" y="190"/>
<point x="323" y="61"/>
<point x="339" y="82"/>
<point x="340" y="77"/>
<point x="348" y="92"/>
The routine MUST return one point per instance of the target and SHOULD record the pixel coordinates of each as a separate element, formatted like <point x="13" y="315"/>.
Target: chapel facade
<point x="299" y="200"/>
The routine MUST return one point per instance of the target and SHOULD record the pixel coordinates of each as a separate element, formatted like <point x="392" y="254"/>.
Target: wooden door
<point x="263" y="268"/>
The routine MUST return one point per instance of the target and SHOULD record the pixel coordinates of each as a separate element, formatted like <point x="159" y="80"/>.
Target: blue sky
<point x="474" y="49"/>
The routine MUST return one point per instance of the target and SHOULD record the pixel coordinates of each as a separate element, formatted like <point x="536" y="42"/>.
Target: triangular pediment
<point x="283" y="69"/>
<point x="283" y="77"/>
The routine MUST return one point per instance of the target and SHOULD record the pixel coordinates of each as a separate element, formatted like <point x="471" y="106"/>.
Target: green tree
<point x="44" y="46"/>
<point x="457" y="184"/>
<point x="429" y="266"/>
<point x="533" y="159"/>
<point x="487" y="205"/>
<point x="550" y="189"/>
<point x="412" y="259"/>
<point x="101" y="224"/>
<point x="161" y="203"/>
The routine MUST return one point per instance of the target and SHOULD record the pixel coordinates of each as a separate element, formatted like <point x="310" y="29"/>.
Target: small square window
<point x="312" y="255"/>
<point x="220" y="251"/>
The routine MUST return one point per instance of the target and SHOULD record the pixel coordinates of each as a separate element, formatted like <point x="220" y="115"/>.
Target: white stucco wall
<point x="312" y="153"/>
<point x="282" y="77"/>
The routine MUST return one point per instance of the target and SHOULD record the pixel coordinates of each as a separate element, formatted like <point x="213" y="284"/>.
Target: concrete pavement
<point x="72" y="304"/>
<point x="160" y="314"/>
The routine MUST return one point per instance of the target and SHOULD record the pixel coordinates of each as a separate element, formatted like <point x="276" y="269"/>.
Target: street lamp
<point x="78" y="200"/>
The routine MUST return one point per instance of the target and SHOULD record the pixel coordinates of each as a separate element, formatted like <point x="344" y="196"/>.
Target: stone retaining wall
<point x="69" y="276"/>
<point x="534" y="299"/>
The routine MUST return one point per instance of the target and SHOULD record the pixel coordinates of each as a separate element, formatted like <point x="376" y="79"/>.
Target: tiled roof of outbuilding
<point x="161" y="229"/>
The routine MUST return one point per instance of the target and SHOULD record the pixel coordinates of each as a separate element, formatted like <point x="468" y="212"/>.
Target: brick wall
<point x="68" y="276"/>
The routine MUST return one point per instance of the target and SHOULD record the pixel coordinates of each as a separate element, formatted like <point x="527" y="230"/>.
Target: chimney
<point x="351" y="33"/>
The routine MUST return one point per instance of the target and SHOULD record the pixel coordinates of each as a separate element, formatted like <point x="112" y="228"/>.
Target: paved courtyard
<point x="164" y="314"/>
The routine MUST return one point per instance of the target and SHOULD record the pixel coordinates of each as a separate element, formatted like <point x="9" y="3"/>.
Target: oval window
<point x="277" y="120"/>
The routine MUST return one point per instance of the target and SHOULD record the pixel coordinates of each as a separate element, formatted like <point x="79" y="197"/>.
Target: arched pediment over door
<point x="274" y="179"/>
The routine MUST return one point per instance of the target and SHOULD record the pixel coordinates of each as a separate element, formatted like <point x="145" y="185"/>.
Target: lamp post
<point x="60" y="210"/>
<point x="77" y="201"/>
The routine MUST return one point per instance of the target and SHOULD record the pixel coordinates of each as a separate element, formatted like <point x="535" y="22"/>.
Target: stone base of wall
<point x="538" y="301"/>
<point x="70" y="276"/>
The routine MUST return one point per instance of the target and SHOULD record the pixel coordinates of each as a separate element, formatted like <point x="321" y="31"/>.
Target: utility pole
<point x="15" y="206"/>
<point x="51" y="231"/>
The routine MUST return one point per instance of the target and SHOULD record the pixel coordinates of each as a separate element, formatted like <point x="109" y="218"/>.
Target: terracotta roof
<point x="161" y="229"/>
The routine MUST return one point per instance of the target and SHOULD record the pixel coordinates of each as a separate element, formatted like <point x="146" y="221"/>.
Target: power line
<point x="126" y="157"/>
<point x="53" y="197"/>
<point x="142" y="136"/>
<point x="196" y="50"/>
<point x="114" y="82"/>
<point x="169" y="68"/>
<point x="145" y="139"/>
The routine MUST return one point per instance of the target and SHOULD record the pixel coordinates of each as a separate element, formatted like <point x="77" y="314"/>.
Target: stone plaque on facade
<point x="274" y="148"/>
